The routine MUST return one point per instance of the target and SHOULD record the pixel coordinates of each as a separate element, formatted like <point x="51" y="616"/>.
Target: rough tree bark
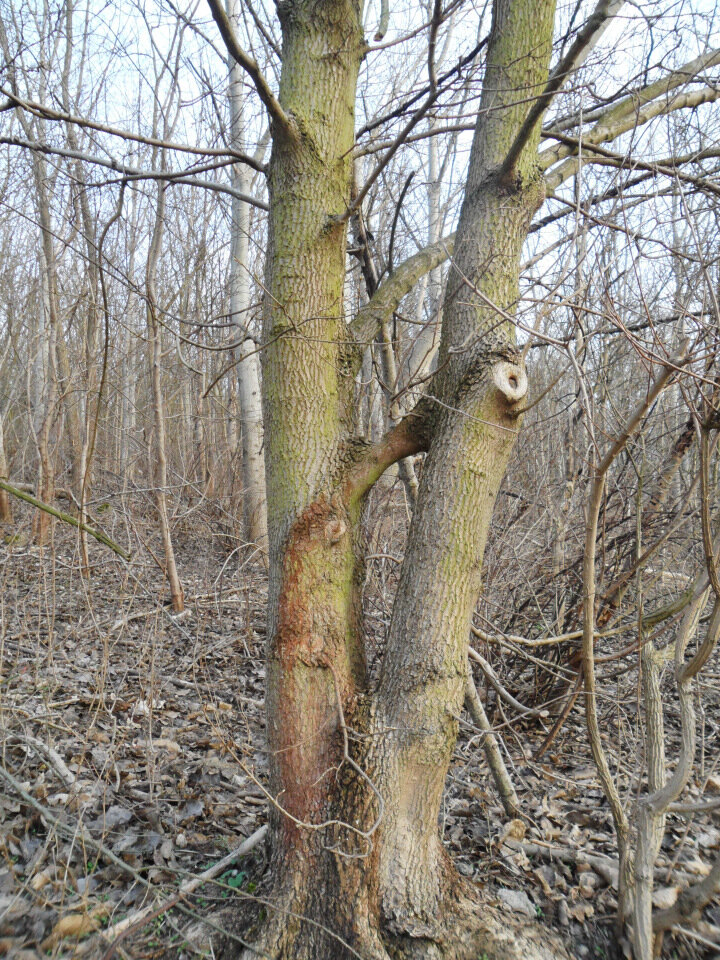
<point x="358" y="774"/>
<point x="474" y="425"/>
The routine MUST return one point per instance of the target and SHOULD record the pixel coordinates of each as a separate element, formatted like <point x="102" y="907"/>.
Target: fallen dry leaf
<point x="71" y="925"/>
<point x="664" y="897"/>
<point x="515" y="830"/>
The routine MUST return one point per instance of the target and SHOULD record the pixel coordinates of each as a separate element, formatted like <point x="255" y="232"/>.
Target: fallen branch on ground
<point x="474" y="706"/>
<point x="121" y="929"/>
<point x="65" y="517"/>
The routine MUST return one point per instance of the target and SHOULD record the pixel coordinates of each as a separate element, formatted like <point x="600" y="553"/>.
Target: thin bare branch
<point x="278" y="118"/>
<point x="132" y="173"/>
<point x="48" y="113"/>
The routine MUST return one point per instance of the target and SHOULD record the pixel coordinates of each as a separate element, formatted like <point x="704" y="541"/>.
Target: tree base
<point x="471" y="929"/>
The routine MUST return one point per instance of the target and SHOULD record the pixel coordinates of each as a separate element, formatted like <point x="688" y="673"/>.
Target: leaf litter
<point x="135" y="730"/>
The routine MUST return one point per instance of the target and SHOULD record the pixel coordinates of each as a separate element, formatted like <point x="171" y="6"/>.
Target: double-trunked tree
<point x="357" y="770"/>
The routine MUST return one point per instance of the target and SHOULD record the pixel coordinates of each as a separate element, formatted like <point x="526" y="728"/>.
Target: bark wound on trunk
<point x="314" y="661"/>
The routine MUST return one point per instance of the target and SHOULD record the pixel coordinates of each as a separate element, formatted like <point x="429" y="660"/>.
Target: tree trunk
<point x="358" y="774"/>
<point x="129" y="366"/>
<point x="88" y="381"/>
<point x="475" y="424"/>
<point x="126" y="415"/>
<point x="5" y="509"/>
<point x="45" y="388"/>
<point x="422" y="354"/>
<point x="248" y="369"/>
<point x="159" y="466"/>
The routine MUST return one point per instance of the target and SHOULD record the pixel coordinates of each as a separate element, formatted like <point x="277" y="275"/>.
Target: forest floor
<point x="131" y="760"/>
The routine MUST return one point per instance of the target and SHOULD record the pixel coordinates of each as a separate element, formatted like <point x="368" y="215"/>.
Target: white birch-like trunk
<point x="248" y="367"/>
<point x="424" y="349"/>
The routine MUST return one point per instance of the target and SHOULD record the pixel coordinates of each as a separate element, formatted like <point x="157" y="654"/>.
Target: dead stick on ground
<point x="117" y="932"/>
<point x="71" y="832"/>
<point x="474" y="706"/>
<point x="51" y="755"/>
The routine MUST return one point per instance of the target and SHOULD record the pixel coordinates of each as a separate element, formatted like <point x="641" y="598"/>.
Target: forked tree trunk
<point x="358" y="774"/>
